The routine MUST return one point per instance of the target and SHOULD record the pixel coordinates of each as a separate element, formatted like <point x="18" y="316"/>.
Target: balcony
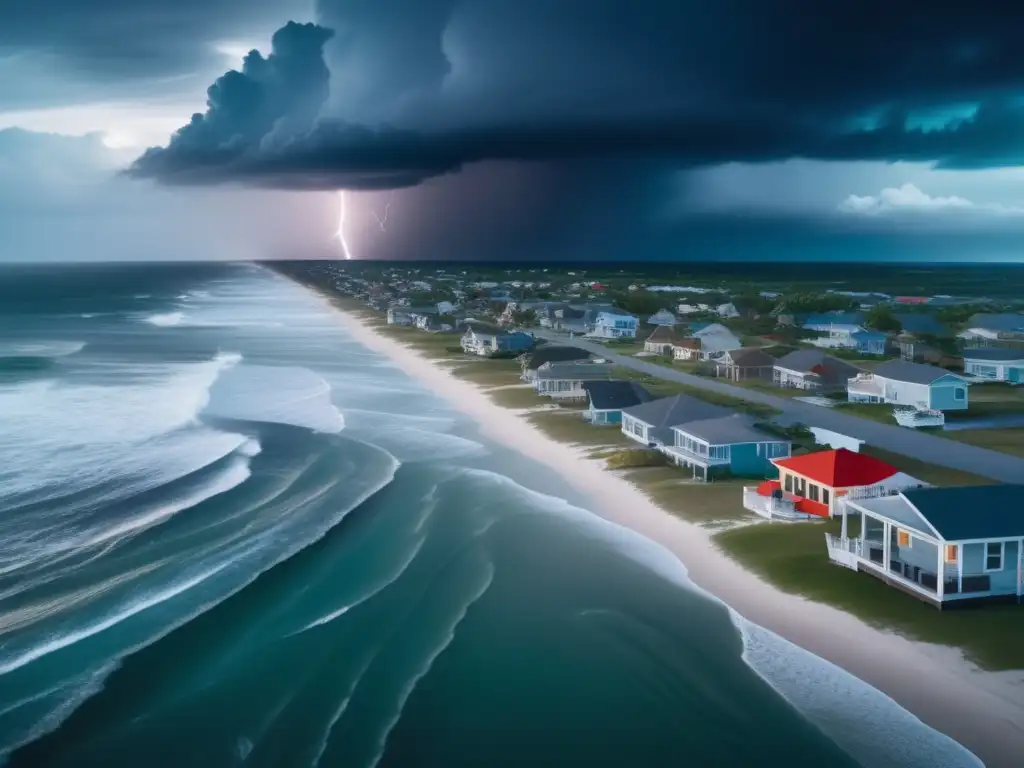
<point x="682" y="455"/>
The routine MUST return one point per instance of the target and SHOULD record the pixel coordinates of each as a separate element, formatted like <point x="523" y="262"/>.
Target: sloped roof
<point x="727" y="430"/>
<point x="835" y="318"/>
<point x="615" y="395"/>
<point x="687" y="343"/>
<point x="663" y="333"/>
<point x="575" y="371"/>
<point x="484" y="329"/>
<point x="971" y="512"/>
<point x="922" y="323"/>
<point x="914" y="373"/>
<point x="555" y="353"/>
<point x="840" y="468"/>
<point x="995" y="354"/>
<point x="678" y="409"/>
<point x="1005" y="322"/>
<point x="751" y="357"/>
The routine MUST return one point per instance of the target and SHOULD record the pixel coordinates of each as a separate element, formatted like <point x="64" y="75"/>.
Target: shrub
<point x="635" y="457"/>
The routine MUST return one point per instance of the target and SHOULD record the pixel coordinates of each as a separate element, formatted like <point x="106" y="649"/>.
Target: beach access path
<point x="908" y="442"/>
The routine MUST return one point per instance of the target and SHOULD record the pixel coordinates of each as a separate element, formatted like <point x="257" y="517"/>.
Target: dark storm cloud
<point x="58" y="52"/>
<point x="688" y="83"/>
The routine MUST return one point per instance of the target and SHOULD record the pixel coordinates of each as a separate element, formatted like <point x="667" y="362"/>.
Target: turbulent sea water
<point x="231" y="535"/>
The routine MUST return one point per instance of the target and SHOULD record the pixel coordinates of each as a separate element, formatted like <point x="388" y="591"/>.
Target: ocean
<point x="231" y="535"/>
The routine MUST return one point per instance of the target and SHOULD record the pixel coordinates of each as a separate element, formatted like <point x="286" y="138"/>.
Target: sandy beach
<point x="982" y="710"/>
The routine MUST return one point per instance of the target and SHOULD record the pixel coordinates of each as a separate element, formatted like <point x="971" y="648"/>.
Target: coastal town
<point x="856" y="447"/>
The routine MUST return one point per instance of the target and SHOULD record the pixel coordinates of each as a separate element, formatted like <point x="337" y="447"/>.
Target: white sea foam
<point x="165" y="319"/>
<point x="840" y="704"/>
<point x="59" y="437"/>
<point x="477" y="591"/>
<point x="412" y="444"/>
<point x="53" y="644"/>
<point x="862" y="720"/>
<point x="276" y="394"/>
<point x="40" y="349"/>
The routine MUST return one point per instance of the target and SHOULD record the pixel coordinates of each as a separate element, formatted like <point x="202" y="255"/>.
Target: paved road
<point x="909" y="442"/>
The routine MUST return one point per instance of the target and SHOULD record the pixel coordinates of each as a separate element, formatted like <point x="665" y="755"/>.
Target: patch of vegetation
<point x="569" y="427"/>
<point x="793" y="558"/>
<point x="708" y="504"/>
<point x="633" y="458"/>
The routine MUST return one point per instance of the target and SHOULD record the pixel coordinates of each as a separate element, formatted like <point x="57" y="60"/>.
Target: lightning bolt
<point x="382" y="220"/>
<point x="340" y="234"/>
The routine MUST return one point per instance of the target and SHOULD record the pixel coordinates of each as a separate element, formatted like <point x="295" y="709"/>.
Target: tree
<point x="524" y="318"/>
<point x="881" y="318"/>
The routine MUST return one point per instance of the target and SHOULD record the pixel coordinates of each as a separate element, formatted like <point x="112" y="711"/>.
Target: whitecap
<point x="276" y="394"/>
<point x="40" y="349"/>
<point x="164" y="319"/>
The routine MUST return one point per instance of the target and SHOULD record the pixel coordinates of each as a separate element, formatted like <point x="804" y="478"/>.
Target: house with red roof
<point x="817" y="484"/>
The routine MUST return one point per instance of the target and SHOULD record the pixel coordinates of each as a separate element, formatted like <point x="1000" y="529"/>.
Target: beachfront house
<point x="686" y="349"/>
<point x="706" y="343"/>
<point x="607" y="400"/>
<point x="985" y="327"/>
<point x="662" y="317"/>
<point x="651" y="423"/>
<point x="488" y="340"/>
<point x="924" y="387"/>
<point x="549" y="353"/>
<point x="996" y="363"/>
<point x="948" y="546"/>
<point x="660" y="341"/>
<point x="564" y="381"/>
<point x="725" y="445"/>
<point x="818" y="484"/>
<point x="744" y="363"/>
<point x="613" y="324"/>
<point x="812" y="369"/>
<point x="399" y="316"/>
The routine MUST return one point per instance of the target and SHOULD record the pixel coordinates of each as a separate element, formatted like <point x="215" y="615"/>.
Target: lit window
<point x="902" y="538"/>
<point x="994" y="556"/>
<point x="952" y="550"/>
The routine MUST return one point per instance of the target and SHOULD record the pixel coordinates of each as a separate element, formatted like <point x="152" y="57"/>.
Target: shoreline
<point x="983" y="711"/>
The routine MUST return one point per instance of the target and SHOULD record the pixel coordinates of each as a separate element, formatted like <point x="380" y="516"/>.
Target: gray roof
<point x="665" y="412"/>
<point x="575" y="371"/>
<point x="615" y="395"/>
<point x="1006" y="322"/>
<point x="971" y="512"/>
<point x="830" y="369"/>
<point x="751" y="357"/>
<point x="913" y="373"/>
<point x="727" y="430"/>
<point x="994" y="354"/>
<point x="554" y="353"/>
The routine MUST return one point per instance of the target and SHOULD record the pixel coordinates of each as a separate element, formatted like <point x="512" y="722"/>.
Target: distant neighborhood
<point x="920" y="362"/>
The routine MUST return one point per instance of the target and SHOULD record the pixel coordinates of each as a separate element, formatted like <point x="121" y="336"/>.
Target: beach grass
<point x="517" y="397"/>
<point x="567" y="426"/>
<point x="792" y="557"/>
<point x="1006" y="440"/>
<point x="708" y="504"/>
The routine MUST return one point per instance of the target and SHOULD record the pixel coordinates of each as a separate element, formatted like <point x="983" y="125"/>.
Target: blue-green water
<point x="230" y="535"/>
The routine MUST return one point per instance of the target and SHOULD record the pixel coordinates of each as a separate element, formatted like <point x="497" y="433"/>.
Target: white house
<point x="610" y="324"/>
<point x="399" y="316"/>
<point x="445" y="307"/>
<point x="727" y="310"/>
<point x="662" y="317"/>
<point x="924" y="387"/>
<point x="692" y="309"/>
<point x="716" y="339"/>
<point x="997" y="364"/>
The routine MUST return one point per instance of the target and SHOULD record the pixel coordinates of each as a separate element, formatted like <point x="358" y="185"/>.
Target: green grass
<point x="922" y="470"/>
<point x="1007" y="440"/>
<point x="489" y="373"/>
<point x="703" y="503"/>
<point x="566" y="426"/>
<point x="880" y="412"/>
<point x="632" y="458"/>
<point x="793" y="558"/>
<point x="517" y="397"/>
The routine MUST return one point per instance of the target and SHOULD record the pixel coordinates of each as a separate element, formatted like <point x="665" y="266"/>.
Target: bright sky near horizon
<point x="605" y="129"/>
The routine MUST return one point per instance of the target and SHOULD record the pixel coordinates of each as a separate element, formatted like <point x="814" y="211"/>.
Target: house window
<point x="814" y="492"/>
<point x="788" y="485"/>
<point x="959" y="394"/>
<point x="994" y="556"/>
<point x="902" y="538"/>
<point x="824" y="496"/>
<point x="952" y="550"/>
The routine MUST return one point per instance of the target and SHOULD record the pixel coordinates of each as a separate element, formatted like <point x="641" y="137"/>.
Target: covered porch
<point x="770" y="501"/>
<point x="906" y="558"/>
<point x="703" y="466"/>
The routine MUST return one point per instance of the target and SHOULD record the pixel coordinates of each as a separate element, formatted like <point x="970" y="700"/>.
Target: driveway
<point x="918" y="445"/>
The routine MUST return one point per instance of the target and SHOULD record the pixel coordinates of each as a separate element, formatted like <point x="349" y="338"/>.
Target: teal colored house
<point x="948" y="546"/>
<point x="869" y="342"/>
<point x="915" y="385"/>
<point x="997" y="364"/>
<point x="726" y="445"/>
